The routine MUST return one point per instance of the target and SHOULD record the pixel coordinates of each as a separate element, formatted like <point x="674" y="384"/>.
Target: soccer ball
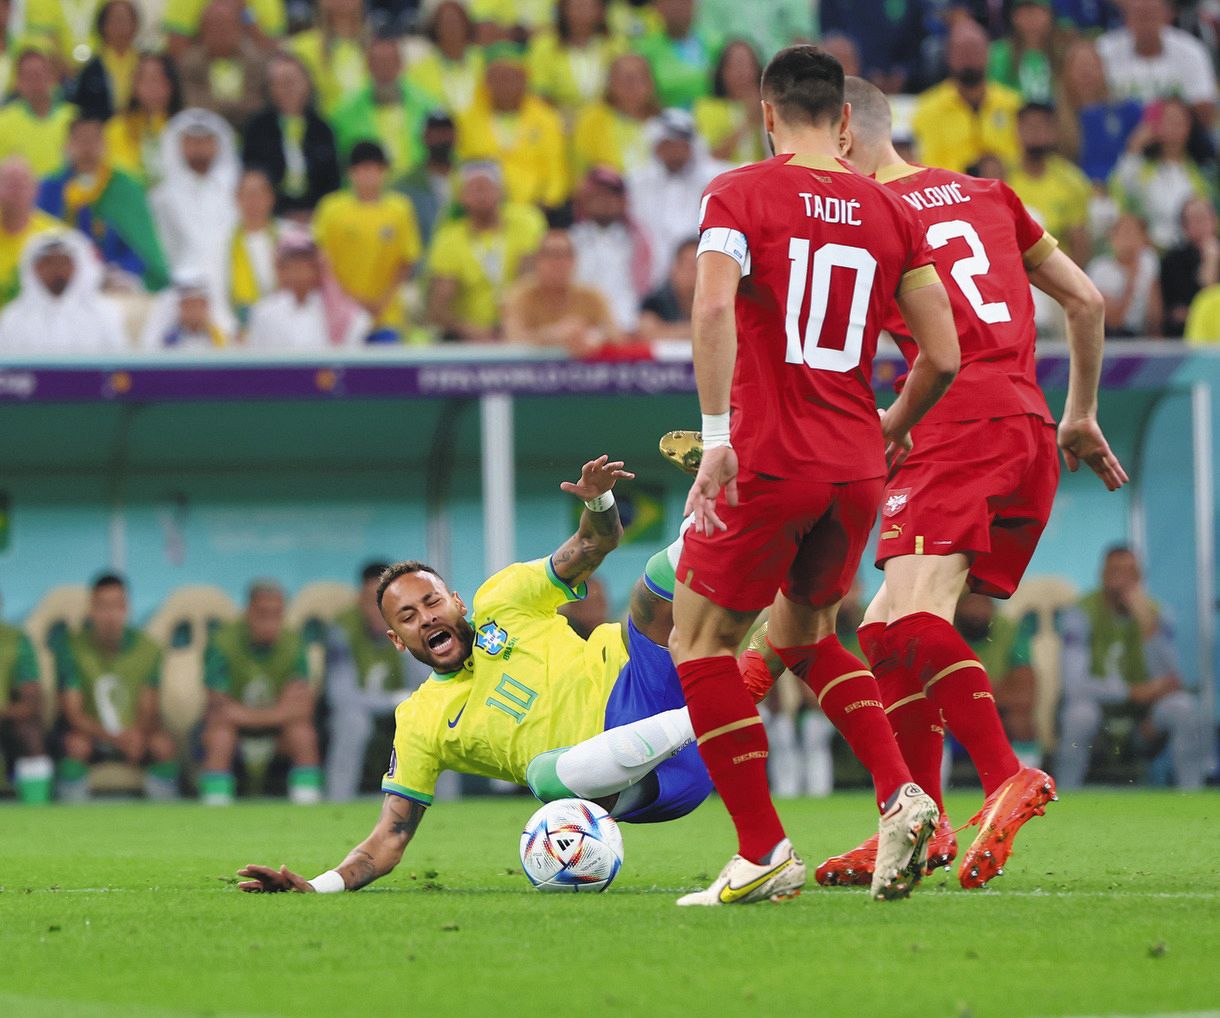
<point x="571" y="845"/>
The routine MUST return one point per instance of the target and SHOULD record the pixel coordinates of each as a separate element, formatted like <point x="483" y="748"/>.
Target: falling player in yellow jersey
<point x="513" y="682"/>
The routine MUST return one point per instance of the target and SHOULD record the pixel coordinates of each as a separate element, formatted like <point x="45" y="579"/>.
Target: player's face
<point x="428" y="621"/>
<point x="265" y="617"/>
<point x="108" y="613"/>
<point x="1120" y="574"/>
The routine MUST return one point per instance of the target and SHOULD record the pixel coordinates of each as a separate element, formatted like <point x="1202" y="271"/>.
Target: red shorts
<point x="984" y="488"/>
<point x="802" y="537"/>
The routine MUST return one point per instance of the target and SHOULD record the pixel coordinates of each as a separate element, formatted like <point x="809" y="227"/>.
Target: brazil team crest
<point x="491" y="639"/>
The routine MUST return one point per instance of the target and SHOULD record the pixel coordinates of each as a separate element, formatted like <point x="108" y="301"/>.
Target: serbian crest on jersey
<point x="896" y="501"/>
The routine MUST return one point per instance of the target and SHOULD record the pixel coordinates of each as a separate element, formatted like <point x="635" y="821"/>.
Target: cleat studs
<point x="974" y="872"/>
<point x="987" y="854"/>
<point x="1000" y="872"/>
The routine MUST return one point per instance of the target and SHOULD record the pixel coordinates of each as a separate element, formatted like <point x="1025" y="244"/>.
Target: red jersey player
<point x="971" y="501"/>
<point x="799" y="259"/>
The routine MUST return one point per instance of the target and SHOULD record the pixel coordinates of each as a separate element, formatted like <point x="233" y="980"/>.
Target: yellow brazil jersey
<point x="602" y="136"/>
<point x="369" y="244"/>
<point x="950" y="134"/>
<point x="41" y="140"/>
<point x="531" y="685"/>
<point x="528" y="144"/>
<point x="1059" y="199"/>
<point x="484" y="263"/>
<point x="1203" y="320"/>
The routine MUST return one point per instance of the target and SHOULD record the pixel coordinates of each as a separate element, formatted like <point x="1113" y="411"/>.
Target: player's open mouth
<point x="440" y="641"/>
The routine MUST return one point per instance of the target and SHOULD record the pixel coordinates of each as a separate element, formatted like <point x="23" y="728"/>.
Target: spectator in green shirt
<point x="109" y="682"/>
<point x="1003" y="646"/>
<point x="681" y="56"/>
<point x="259" y="701"/>
<point x="389" y="110"/>
<point x="1027" y="59"/>
<point x="21" y="715"/>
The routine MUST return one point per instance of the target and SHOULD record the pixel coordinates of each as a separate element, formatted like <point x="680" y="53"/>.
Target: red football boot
<point x="855" y="868"/>
<point x="1021" y="798"/>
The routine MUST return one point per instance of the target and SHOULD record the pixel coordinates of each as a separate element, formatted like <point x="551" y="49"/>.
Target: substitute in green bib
<point x="21" y="735"/>
<point x="366" y="678"/>
<point x="259" y="702"/>
<point x="109" y="682"/>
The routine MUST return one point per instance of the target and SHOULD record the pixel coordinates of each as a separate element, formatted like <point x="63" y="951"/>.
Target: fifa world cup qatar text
<point x="800" y="258"/>
<point x="968" y="506"/>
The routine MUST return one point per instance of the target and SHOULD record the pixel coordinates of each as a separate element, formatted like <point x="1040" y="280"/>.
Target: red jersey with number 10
<point x="983" y="240"/>
<point x="823" y="251"/>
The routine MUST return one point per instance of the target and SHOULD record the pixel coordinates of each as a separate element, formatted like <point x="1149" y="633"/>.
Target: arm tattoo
<point x="362" y="869"/>
<point x="605" y="524"/>
<point x="406" y="826"/>
<point x="643" y="605"/>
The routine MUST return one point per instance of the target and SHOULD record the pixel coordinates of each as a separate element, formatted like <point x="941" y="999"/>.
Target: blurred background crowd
<point x="310" y="174"/>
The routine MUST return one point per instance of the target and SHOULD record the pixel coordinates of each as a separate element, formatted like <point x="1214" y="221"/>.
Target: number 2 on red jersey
<point x="966" y="270"/>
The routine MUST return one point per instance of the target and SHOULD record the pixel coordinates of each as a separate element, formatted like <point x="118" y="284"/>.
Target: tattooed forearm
<point x="361" y="869"/>
<point x="604" y="524"/>
<point x="405" y="827"/>
<point x="643" y="605"/>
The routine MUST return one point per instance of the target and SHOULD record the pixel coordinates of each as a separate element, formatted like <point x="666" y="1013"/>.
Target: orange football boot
<point x="1006" y="810"/>
<point x="855" y="868"/>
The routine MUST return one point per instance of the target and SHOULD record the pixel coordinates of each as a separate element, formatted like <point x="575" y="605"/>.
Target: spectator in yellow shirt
<point x="20" y="219"/>
<point x="133" y="137"/>
<point x="452" y="71"/>
<point x="35" y="124"/>
<point x="371" y="239"/>
<point x="474" y="258"/>
<point x="615" y="132"/>
<point x="1203" y="321"/>
<point x="966" y="116"/>
<point x="181" y="19"/>
<point x="518" y="130"/>
<point x="1052" y="188"/>
<point x="570" y="63"/>
<point x="333" y="52"/>
<point x="730" y="119"/>
<point x="70" y="25"/>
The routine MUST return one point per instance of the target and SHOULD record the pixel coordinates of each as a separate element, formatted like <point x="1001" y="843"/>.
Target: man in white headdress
<point x="60" y="309"/>
<point x="185" y="317"/>
<point x="195" y="206"/>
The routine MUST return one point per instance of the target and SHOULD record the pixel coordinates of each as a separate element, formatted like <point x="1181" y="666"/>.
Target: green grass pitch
<point x="1110" y="906"/>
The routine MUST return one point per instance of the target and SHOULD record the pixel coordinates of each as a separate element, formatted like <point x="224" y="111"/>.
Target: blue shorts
<point x="647" y="685"/>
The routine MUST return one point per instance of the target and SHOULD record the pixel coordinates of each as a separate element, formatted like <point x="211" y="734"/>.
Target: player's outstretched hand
<point x="596" y="478"/>
<point x="265" y="880"/>
<point x="1083" y="441"/>
<point x="717" y="470"/>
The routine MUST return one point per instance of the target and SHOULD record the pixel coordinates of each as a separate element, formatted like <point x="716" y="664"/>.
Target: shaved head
<point x="871" y="119"/>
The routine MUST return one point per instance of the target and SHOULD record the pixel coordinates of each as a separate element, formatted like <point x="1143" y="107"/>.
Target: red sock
<point x="848" y="695"/>
<point x="733" y="744"/>
<point x="955" y="683"/>
<point x="916" y="723"/>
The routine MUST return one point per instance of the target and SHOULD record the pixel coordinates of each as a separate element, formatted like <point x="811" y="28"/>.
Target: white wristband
<point x="715" y="430"/>
<point x="330" y="882"/>
<point x="601" y="503"/>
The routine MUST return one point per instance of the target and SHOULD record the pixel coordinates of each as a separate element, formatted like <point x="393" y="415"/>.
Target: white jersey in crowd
<point x="279" y="322"/>
<point x="196" y="214"/>
<point x="79" y="322"/>
<point x="1183" y="67"/>
<point x="604" y="259"/>
<point x="666" y="205"/>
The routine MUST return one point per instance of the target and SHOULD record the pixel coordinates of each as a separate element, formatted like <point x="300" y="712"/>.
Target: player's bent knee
<point x="542" y="777"/>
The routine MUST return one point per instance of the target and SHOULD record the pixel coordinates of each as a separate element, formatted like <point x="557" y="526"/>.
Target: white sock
<point x="783" y="768"/>
<point x="618" y="758"/>
<point x="816" y="735"/>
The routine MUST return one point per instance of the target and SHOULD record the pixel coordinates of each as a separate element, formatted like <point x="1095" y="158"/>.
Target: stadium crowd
<point x="287" y="174"/>
<point x="301" y="698"/>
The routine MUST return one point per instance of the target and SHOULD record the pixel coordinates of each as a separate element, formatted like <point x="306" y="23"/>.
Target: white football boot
<point x="742" y="881"/>
<point x="903" y="833"/>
